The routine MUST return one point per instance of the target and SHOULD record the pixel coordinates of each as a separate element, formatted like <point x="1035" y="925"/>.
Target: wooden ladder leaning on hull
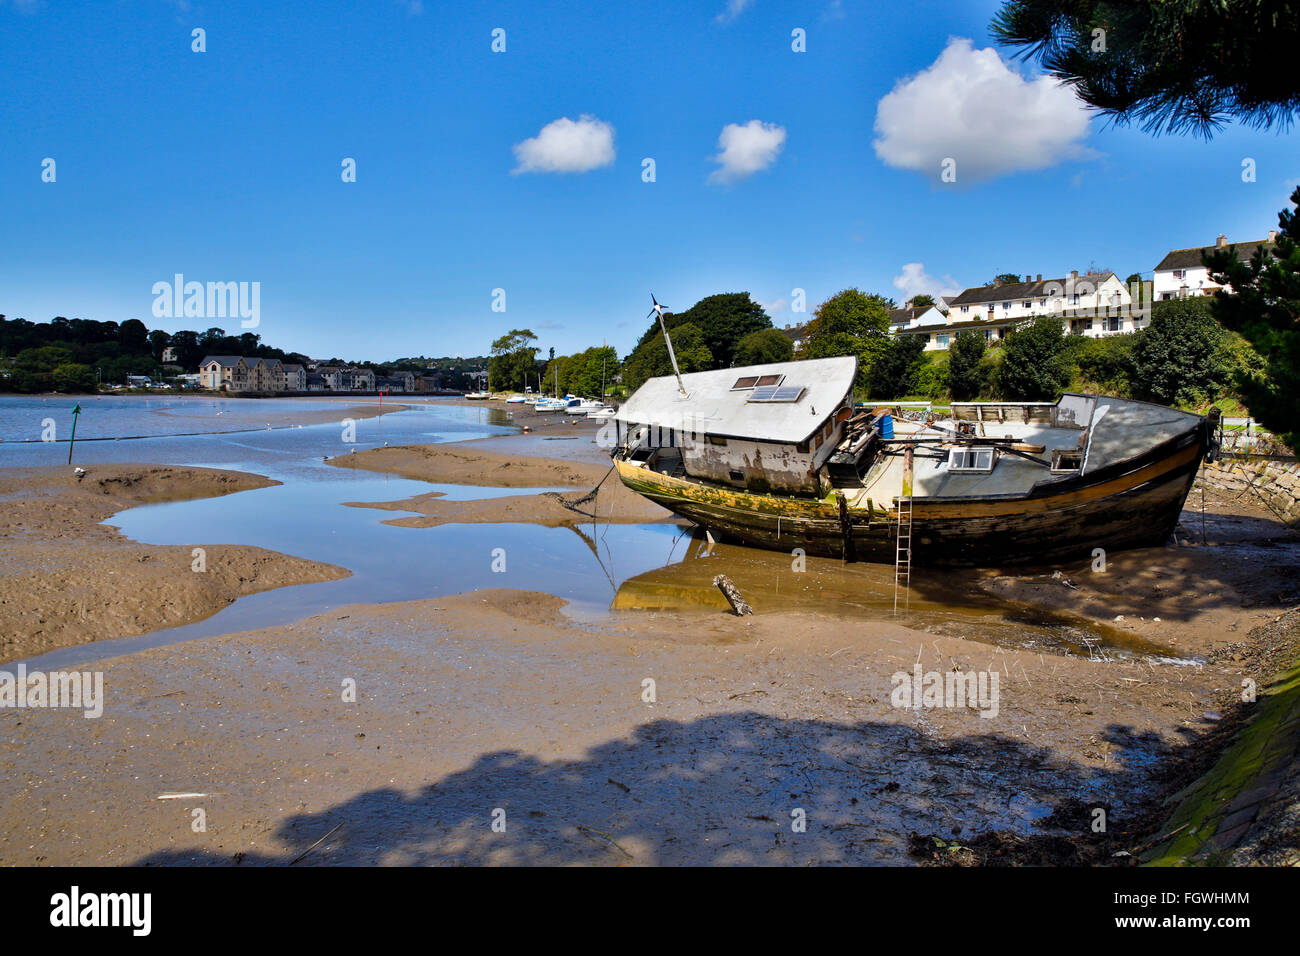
<point x="903" y="537"/>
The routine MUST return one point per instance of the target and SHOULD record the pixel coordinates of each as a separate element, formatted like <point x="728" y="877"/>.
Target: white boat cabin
<point x="760" y="427"/>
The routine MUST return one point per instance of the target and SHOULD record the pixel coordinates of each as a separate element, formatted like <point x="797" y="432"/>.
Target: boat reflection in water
<point x="858" y="596"/>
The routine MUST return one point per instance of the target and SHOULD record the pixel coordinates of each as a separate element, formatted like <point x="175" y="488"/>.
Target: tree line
<point x="78" y="355"/>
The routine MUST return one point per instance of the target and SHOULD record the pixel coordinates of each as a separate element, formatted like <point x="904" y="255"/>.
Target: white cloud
<point x="746" y="150"/>
<point x="970" y="107"/>
<point x="834" y="11"/>
<point x="565" y="146"/>
<point x="914" y="280"/>
<point x="776" y="306"/>
<point x="734" y="9"/>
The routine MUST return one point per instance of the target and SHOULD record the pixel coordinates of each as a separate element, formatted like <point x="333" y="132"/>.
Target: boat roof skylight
<point x="749" y="381"/>
<point x="777" y="393"/>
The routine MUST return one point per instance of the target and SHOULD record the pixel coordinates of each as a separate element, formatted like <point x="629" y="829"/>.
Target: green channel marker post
<point x="75" y="412"/>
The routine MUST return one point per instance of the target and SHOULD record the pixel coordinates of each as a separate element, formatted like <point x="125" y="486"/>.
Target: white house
<point x="1181" y="273"/>
<point x="1093" y="304"/>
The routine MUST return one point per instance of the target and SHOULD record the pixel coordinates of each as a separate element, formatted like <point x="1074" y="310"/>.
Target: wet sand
<point x="502" y="700"/>
<point x="496" y="700"/>
<point x="66" y="579"/>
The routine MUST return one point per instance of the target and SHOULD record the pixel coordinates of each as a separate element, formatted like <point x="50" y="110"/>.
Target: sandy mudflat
<point x="66" y="579"/>
<point x="496" y="699"/>
<point x="477" y="463"/>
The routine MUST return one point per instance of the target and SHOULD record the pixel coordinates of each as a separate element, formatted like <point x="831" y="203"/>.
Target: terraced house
<point x="1094" y="304"/>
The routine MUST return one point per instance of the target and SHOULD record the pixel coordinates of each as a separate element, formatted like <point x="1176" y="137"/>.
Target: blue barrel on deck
<point x="886" y="426"/>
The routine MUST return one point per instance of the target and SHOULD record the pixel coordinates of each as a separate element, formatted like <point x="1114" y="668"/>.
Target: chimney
<point x="1074" y="273"/>
<point x="1040" y="277"/>
<point x="1272" y="235"/>
<point x="1221" y="242"/>
<point x="1028" y="279"/>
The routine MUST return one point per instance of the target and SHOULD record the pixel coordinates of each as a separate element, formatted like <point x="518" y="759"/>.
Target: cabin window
<point x="1065" y="461"/>
<point x="971" y="460"/>
<point x="747" y="381"/>
<point x="717" y="440"/>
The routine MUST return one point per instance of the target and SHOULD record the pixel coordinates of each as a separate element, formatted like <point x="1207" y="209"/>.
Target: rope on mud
<point x="589" y="496"/>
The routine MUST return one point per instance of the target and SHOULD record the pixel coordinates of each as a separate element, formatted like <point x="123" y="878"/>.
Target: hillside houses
<point x="238" y="373"/>
<point x="1093" y="304"/>
<point x="1181" y="274"/>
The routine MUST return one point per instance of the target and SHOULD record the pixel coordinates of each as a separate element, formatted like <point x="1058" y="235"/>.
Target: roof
<point x="1191" y="258"/>
<point x="713" y="407"/>
<point x="222" y="360"/>
<point x="905" y="316"/>
<point x="1038" y="289"/>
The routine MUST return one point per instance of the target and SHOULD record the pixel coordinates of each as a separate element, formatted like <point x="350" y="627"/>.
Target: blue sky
<point x="225" y="165"/>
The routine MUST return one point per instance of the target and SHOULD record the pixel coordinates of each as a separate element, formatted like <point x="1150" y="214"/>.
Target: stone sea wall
<point x="1275" y="482"/>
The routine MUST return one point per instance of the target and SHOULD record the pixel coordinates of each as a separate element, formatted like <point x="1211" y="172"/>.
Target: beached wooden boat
<point x="778" y="456"/>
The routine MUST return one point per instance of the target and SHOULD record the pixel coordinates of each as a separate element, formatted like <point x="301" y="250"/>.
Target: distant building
<point x="1181" y="274"/>
<point x="797" y="334"/>
<point x="295" y="378"/>
<point x="1093" y="304"/>
<point x="224" y="372"/>
<point x="913" y="317"/>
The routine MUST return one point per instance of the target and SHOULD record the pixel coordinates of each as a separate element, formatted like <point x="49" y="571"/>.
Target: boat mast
<point x="672" y="357"/>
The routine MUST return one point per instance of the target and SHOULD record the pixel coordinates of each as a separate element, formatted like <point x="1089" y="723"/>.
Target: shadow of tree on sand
<point x="720" y="789"/>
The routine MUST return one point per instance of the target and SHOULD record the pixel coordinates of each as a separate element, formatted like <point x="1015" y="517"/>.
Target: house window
<point x="1180" y="273"/>
<point x="1042" y="303"/>
<point x="1006" y="305"/>
<point x="1076" y="298"/>
<point x="1080" y="325"/>
<point x="971" y="460"/>
<point x="770" y="380"/>
<point x="1027" y="304"/>
<point x="749" y="381"/>
<point x="965" y="308"/>
<point x="941" y="340"/>
<point x="1112" y="323"/>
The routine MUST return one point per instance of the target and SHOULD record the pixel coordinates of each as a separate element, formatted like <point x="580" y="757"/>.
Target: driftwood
<point x="732" y="595"/>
